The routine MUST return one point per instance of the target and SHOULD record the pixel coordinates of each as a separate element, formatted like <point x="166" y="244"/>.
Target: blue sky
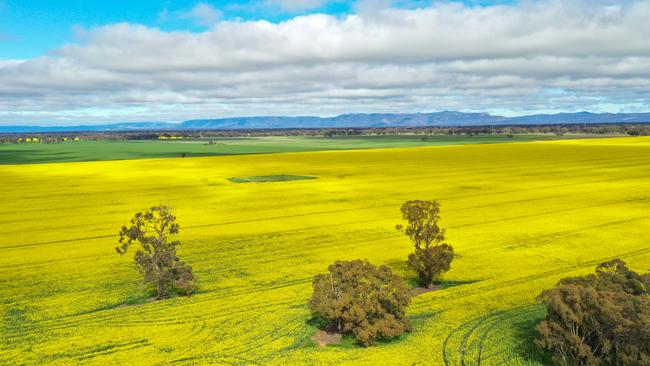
<point x="34" y="27"/>
<point x="68" y="62"/>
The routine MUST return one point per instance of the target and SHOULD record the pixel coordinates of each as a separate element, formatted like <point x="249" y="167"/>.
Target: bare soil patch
<point x="423" y="290"/>
<point x="324" y="338"/>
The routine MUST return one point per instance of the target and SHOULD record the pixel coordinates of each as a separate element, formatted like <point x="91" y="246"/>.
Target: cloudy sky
<point x="70" y="61"/>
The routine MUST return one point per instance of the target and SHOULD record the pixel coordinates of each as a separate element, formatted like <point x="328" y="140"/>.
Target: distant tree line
<point x="590" y="129"/>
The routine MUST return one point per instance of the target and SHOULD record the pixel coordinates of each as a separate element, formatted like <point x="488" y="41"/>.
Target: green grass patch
<point x="347" y="342"/>
<point x="270" y="178"/>
<point x="28" y="153"/>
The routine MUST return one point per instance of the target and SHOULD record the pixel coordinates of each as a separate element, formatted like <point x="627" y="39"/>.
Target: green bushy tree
<point x="432" y="256"/>
<point x="599" y="319"/>
<point x="362" y="300"/>
<point x="153" y="232"/>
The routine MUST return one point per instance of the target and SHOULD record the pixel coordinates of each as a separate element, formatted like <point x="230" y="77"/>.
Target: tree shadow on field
<point x="400" y="267"/>
<point x="346" y="341"/>
<point x="450" y="283"/>
<point x="438" y="285"/>
<point x="143" y="298"/>
<point x="526" y="333"/>
<point x="130" y="301"/>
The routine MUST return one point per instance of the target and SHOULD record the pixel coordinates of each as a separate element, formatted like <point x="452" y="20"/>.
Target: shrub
<point x="599" y="319"/>
<point x="432" y="256"/>
<point x="156" y="258"/>
<point x="361" y="300"/>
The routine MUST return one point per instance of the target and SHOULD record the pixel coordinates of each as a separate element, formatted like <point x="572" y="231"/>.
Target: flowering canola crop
<point x="520" y="217"/>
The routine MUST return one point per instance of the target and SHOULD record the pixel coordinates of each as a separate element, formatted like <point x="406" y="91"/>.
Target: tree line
<point x="504" y="130"/>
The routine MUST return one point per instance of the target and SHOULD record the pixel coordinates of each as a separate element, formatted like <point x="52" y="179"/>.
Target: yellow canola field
<point x="520" y="216"/>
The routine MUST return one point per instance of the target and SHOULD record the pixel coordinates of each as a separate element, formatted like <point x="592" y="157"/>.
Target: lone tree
<point x="156" y="258"/>
<point x="599" y="319"/>
<point x="432" y="256"/>
<point x="359" y="299"/>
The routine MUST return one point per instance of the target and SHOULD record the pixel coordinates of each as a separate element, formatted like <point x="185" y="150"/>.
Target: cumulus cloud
<point x="533" y="56"/>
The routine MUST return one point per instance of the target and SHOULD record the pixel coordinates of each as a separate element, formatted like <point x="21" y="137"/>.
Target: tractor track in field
<point x="121" y="194"/>
<point x="393" y="180"/>
<point x="62" y="325"/>
<point x="286" y="329"/>
<point x="104" y="224"/>
<point x="482" y="325"/>
<point x="301" y="230"/>
<point x="57" y="324"/>
<point x="37" y="195"/>
<point x="352" y="209"/>
<point x="465" y="196"/>
<point x="108" y="316"/>
<point x="87" y="353"/>
<point x="533" y="277"/>
<point x="510" y="283"/>
<point x="496" y="320"/>
<point x="527" y="310"/>
<point x="512" y="218"/>
<point x="544" y="213"/>
<point x="538" y="238"/>
<point x="569" y="232"/>
<point x="211" y="326"/>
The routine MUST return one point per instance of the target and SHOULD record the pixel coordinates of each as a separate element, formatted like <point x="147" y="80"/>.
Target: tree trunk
<point x="159" y="285"/>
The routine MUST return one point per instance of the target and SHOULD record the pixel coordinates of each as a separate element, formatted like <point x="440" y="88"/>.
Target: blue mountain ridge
<point x="354" y="120"/>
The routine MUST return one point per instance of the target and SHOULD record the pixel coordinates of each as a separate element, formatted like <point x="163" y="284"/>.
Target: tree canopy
<point x="362" y="300"/>
<point x="432" y="256"/>
<point x="156" y="259"/>
<point x="599" y="319"/>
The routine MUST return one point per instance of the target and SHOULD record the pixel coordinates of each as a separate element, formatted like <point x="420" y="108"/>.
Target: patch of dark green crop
<point x="270" y="178"/>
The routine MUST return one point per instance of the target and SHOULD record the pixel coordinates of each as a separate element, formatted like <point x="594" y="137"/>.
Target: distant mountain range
<point x="358" y="120"/>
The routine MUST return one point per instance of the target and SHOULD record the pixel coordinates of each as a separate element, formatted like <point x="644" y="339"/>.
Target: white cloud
<point x="535" y="56"/>
<point x="202" y="14"/>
